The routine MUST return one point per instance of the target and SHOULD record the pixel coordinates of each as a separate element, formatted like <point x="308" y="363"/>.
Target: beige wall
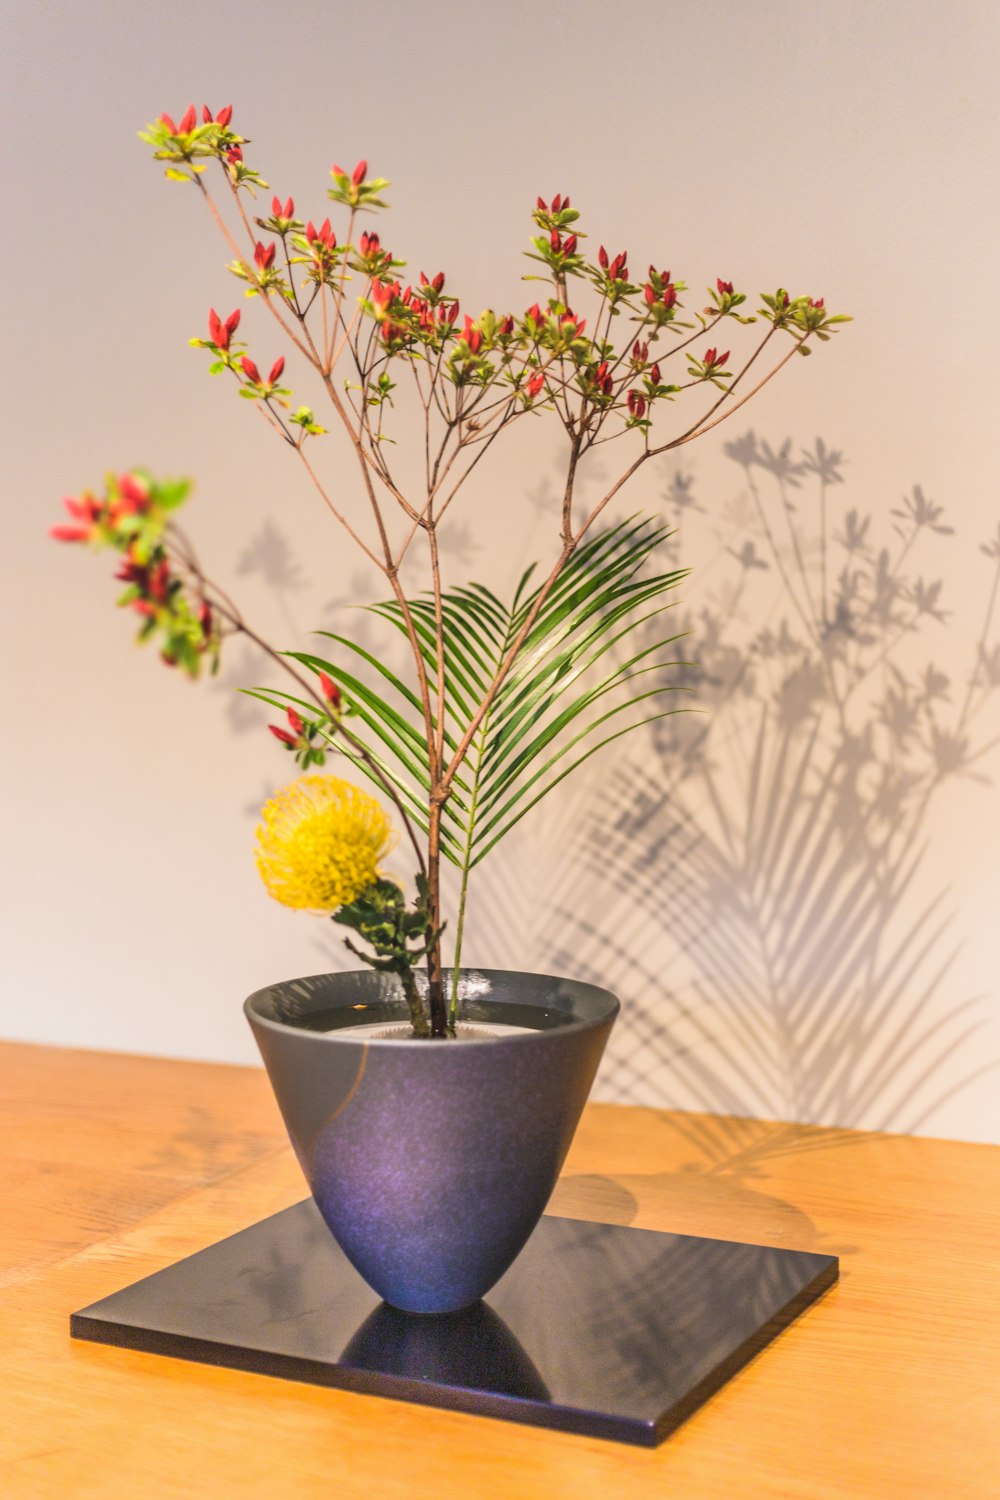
<point x="842" y="148"/>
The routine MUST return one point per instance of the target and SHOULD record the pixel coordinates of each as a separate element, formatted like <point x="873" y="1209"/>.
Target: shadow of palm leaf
<point x="769" y="925"/>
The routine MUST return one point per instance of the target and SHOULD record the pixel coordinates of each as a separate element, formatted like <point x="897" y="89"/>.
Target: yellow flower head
<point x="319" y="843"/>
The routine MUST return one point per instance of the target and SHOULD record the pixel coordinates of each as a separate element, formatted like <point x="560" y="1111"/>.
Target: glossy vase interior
<point x="431" y="1162"/>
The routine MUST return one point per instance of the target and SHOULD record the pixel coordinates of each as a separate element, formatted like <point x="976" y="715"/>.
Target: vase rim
<point x="603" y="1005"/>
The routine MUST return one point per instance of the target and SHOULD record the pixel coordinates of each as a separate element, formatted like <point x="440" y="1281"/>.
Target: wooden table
<point x="114" y="1166"/>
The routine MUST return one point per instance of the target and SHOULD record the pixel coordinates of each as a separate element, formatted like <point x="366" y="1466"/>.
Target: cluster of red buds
<point x="151" y="581"/>
<point x="636" y="404"/>
<point x="472" y="335"/>
<point x="712" y="364"/>
<point x="369" y="245"/>
<point x="94" y="519"/>
<point x="297" y="738"/>
<point x="660" y="294"/>
<point x="131" y="518"/>
<point x="88" y="513"/>
<point x="284" y="213"/>
<point x="432" y="289"/>
<point x="617" y="269"/>
<point x="221" y="332"/>
<point x="555" y="215"/>
<point x="322" y="238"/>
<point x="598" y="381"/>
<point x="222" y="118"/>
<point x="561" y="246"/>
<point x="300" y="736"/>
<point x="534" y="385"/>
<point x="186" y="123"/>
<point x="252" y="373"/>
<point x="357" y="177"/>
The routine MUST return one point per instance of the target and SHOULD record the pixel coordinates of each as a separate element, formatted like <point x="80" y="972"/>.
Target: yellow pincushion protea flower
<point x="319" y="843"/>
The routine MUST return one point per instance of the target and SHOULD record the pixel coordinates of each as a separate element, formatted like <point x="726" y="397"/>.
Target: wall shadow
<point x="767" y="856"/>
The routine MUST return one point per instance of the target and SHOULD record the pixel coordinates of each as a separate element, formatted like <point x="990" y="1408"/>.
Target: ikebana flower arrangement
<point x="506" y="698"/>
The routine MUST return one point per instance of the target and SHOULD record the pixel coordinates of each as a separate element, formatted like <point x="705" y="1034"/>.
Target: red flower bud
<point x="330" y="690"/>
<point x="295" y="720"/>
<point x="250" y="370"/>
<point x="206" y="115"/>
<point x="168" y="122"/>
<point x="234" y="154"/>
<point x="570" y="245"/>
<point x="557" y="203"/>
<point x="535" y="384"/>
<point x="507" y="326"/>
<point x="602" y="258"/>
<point x="205" y="617"/>
<point x="669" y="295"/>
<point x="276" y="206"/>
<point x="288" y="209"/>
<point x="134" y="494"/>
<point x="189" y="121"/>
<point x="224" y="116"/>
<point x="541" y="204"/>
<point x="159" y="582"/>
<point x="555" y="239"/>
<point x="359" y="173"/>
<point x="725" y="288"/>
<point x="264" y="255"/>
<point x="654" y="374"/>
<point x="276" y="369"/>
<point x="69" y="533"/>
<point x="283" y="735"/>
<point x="649" y="294"/>
<point x="86" y="509"/>
<point x="338" y="171"/>
<point x="710" y="356"/>
<point x="219" y="332"/>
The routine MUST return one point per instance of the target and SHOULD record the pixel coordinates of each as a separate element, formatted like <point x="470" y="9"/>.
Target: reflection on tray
<point x="474" y="1349"/>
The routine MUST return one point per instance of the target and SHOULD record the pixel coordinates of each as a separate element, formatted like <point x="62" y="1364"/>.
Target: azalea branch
<point x="473" y="378"/>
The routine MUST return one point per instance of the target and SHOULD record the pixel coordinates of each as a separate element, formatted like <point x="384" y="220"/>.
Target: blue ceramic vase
<point x="431" y="1161"/>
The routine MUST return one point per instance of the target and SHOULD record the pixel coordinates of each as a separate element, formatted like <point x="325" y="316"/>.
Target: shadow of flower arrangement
<point x="765" y="927"/>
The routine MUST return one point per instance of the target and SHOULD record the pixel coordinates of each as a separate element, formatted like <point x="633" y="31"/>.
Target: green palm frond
<point x="592" y="668"/>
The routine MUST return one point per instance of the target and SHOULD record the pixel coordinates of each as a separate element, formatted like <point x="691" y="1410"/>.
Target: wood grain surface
<point x="115" y="1166"/>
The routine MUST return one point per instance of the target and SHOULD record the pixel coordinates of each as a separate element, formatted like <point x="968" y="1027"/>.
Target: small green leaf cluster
<point x="400" y="936"/>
